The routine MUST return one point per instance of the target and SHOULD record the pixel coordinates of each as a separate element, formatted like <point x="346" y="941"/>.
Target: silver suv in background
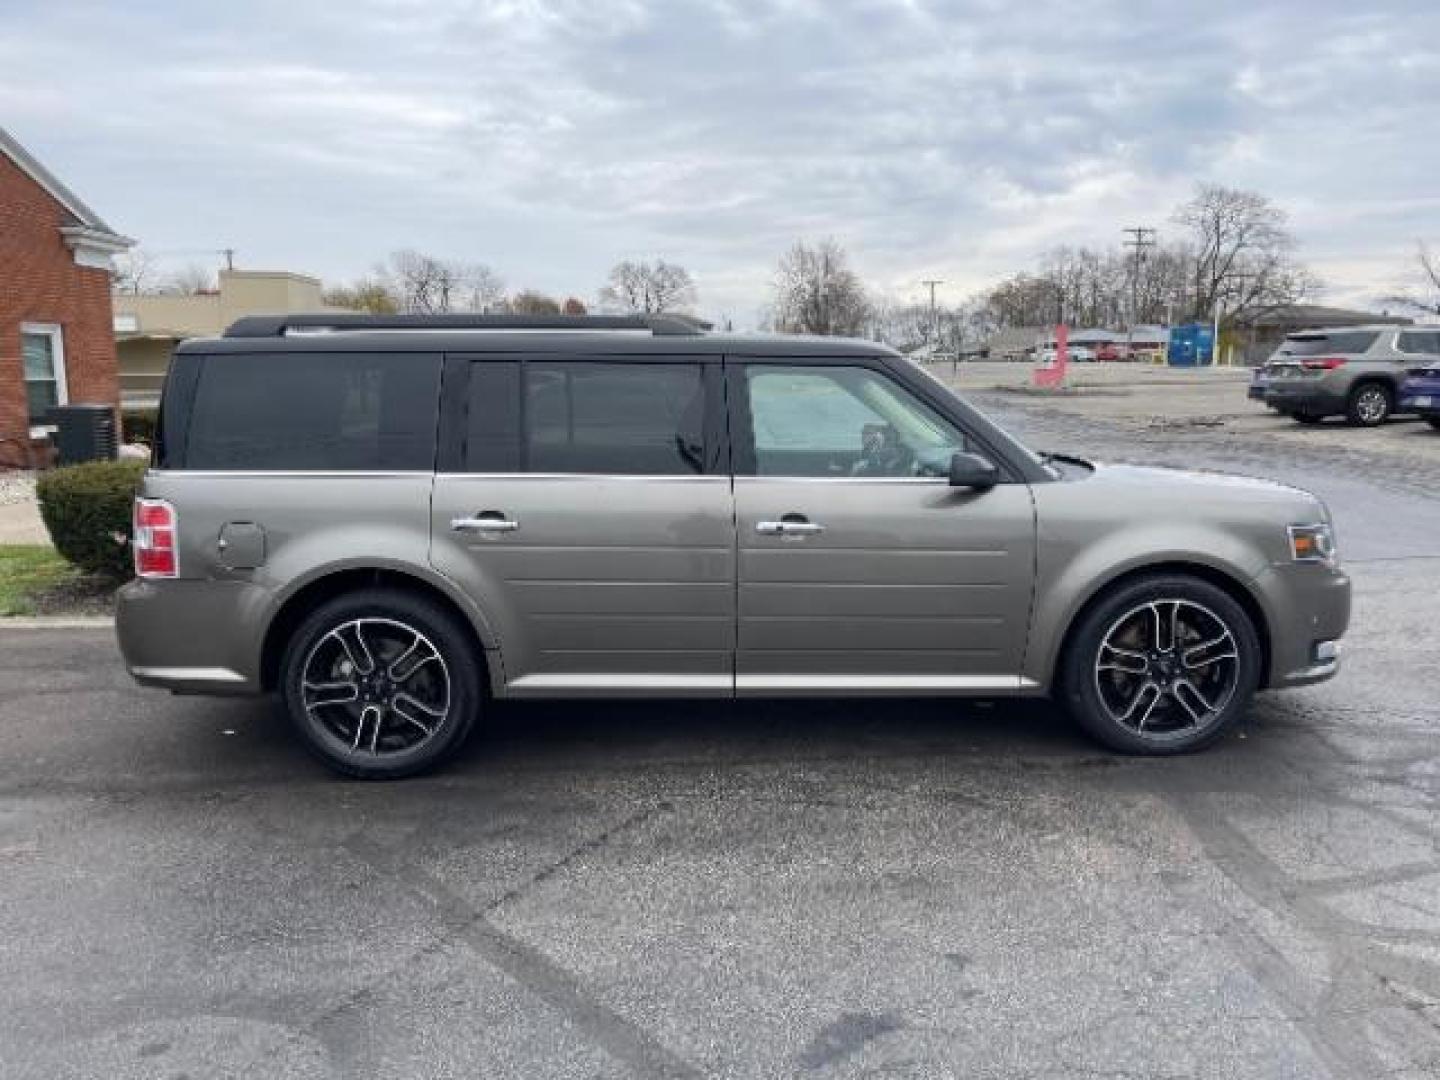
<point x="1354" y="371"/>
<point x="391" y="521"/>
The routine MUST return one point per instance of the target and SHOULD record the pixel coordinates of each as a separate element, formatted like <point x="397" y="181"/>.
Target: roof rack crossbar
<point x="257" y="326"/>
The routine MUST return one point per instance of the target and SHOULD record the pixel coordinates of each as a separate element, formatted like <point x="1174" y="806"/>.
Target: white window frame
<point x="56" y="333"/>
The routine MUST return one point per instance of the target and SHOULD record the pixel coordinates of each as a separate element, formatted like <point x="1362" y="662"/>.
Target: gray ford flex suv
<point x="392" y="520"/>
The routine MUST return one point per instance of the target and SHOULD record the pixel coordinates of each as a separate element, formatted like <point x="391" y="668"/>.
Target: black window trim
<point x="455" y="406"/>
<point x="742" y="439"/>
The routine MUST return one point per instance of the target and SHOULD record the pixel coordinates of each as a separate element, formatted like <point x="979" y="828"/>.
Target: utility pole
<point x="229" y="254"/>
<point x="934" y="322"/>
<point x="1141" y="240"/>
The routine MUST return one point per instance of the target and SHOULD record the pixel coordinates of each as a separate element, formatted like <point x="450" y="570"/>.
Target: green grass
<point x="27" y="570"/>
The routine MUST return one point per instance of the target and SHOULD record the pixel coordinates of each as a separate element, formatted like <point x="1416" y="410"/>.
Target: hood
<point x="1197" y="481"/>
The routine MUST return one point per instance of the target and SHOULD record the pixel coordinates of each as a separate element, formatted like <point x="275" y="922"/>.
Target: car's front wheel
<point x="381" y="683"/>
<point x="1370" y="405"/>
<point x="1164" y="664"/>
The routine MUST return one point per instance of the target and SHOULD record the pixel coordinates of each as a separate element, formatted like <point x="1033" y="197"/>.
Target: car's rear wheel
<point x="381" y="683"/>
<point x="1164" y="664"/>
<point x="1370" y="404"/>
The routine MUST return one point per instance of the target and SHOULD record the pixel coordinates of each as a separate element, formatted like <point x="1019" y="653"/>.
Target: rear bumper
<point x="1305" y="396"/>
<point x="1308" y="607"/>
<point x="191" y="637"/>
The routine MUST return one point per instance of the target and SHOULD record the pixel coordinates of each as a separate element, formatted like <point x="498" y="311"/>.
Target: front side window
<point x="321" y="412"/>
<point x="843" y="422"/>
<point x="42" y="351"/>
<point x="587" y="417"/>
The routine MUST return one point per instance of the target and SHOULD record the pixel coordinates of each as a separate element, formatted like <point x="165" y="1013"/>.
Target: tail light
<point x="1323" y="363"/>
<point x="154" y="539"/>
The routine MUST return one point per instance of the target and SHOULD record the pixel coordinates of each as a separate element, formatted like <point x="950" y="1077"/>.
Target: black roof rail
<point x="255" y="326"/>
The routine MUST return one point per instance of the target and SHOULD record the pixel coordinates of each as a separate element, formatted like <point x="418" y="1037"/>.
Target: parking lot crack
<point x="527" y="965"/>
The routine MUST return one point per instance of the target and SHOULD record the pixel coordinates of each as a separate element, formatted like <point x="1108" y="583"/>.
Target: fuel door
<point x="241" y="545"/>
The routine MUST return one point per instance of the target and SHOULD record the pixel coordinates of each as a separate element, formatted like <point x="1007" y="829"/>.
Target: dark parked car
<point x="1355" y="372"/>
<point x="1421" y="392"/>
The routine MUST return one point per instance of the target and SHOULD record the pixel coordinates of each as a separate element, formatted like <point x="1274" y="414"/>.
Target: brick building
<point x="57" y="337"/>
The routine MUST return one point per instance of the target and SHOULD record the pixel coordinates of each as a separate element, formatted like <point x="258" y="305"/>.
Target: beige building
<point x="147" y="328"/>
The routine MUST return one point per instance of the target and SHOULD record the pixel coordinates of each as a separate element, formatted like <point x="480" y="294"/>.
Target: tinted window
<point x="1344" y="341"/>
<point x="1419" y="341"/>
<point x="634" y="419"/>
<point x="492" y="423"/>
<point x="844" y="421"/>
<point x="321" y="411"/>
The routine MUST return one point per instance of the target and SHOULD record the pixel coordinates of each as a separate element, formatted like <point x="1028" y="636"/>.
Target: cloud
<point x="935" y="139"/>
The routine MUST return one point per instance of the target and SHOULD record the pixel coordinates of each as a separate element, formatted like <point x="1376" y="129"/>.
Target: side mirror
<point x="973" y="471"/>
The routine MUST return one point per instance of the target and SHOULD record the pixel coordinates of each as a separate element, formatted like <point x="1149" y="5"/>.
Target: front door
<point x="860" y="568"/>
<point x="588" y="512"/>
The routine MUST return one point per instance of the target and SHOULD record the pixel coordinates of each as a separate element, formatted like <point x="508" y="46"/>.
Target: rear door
<point x="585" y="504"/>
<point x="861" y="569"/>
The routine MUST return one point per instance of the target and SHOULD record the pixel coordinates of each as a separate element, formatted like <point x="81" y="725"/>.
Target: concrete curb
<point x="57" y="622"/>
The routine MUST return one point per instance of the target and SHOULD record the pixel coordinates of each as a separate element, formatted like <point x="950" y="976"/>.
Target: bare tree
<point x="367" y="294"/>
<point x="189" y="280"/>
<point x="1242" y="252"/>
<point x="426" y="284"/>
<point x="479" y="288"/>
<point x="642" y="288"/>
<point x="530" y="302"/>
<point x="816" y="292"/>
<point x="1429" y="303"/>
<point x="573" y="306"/>
<point x="135" y="272"/>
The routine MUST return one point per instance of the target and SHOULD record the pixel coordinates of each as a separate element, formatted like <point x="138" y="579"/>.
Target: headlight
<point x="1313" y="543"/>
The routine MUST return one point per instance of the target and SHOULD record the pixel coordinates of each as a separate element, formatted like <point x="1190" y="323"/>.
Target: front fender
<point x="1069" y="575"/>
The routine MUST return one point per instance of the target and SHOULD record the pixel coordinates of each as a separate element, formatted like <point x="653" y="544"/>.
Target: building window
<point x="42" y="348"/>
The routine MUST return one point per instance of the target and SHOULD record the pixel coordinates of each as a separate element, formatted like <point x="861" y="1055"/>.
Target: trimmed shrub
<point x="87" y="509"/>
<point x="138" y="426"/>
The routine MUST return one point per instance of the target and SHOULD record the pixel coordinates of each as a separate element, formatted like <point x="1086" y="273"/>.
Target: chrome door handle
<point x="483" y="524"/>
<point x="788" y="528"/>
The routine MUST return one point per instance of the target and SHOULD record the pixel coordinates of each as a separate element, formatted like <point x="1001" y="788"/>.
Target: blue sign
<point x="1192" y="345"/>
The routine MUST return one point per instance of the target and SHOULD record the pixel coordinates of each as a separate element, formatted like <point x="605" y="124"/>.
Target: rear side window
<point x="1419" y="341"/>
<point x="553" y="416"/>
<point x="315" y="411"/>
<point x="1343" y="341"/>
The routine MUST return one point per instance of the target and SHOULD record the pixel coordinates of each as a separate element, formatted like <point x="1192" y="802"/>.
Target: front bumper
<point x="1420" y="396"/>
<point x="1308" y="609"/>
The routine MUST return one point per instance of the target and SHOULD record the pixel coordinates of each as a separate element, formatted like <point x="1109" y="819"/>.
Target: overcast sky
<point x="549" y="140"/>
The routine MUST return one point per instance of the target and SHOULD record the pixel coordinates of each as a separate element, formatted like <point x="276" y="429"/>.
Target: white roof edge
<point x="11" y="148"/>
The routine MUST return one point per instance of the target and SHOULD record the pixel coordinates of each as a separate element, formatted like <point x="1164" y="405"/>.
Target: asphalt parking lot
<point x="828" y="889"/>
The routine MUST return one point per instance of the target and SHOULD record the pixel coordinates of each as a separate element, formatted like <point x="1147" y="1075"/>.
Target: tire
<point x="1100" y="683"/>
<point x="1307" y="418"/>
<point x="1370" y="404"/>
<point x="409" y="711"/>
<point x="1433" y="421"/>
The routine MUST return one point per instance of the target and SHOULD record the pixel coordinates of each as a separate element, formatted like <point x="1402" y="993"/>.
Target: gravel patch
<point x="17" y="487"/>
